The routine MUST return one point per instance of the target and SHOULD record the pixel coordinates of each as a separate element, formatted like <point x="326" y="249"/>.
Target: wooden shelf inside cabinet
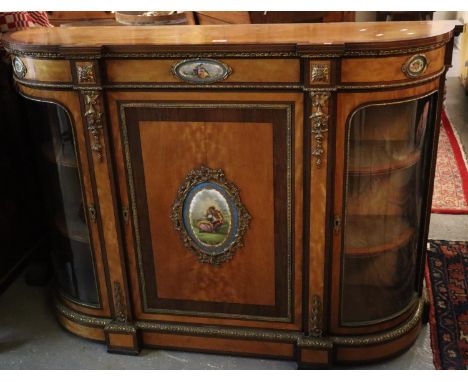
<point x="381" y="157"/>
<point x="371" y="235"/>
<point x="58" y="156"/>
<point x="74" y="229"/>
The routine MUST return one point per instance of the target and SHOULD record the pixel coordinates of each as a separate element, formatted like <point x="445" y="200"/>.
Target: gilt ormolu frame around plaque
<point x="216" y="234"/>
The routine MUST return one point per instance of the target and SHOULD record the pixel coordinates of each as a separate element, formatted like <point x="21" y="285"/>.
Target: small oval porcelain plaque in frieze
<point x="209" y="215"/>
<point x="201" y="71"/>
<point x="415" y="66"/>
<point x="19" y="67"/>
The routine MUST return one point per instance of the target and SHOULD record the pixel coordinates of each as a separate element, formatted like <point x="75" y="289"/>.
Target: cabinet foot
<point x="311" y="356"/>
<point x="122" y="338"/>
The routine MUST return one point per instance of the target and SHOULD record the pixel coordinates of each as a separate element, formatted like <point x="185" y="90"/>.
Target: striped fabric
<point x="11" y="21"/>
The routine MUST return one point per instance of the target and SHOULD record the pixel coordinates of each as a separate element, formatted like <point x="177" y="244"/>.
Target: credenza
<point x="258" y="190"/>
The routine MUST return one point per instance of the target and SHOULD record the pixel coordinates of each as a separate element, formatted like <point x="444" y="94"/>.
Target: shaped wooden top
<point x="238" y="37"/>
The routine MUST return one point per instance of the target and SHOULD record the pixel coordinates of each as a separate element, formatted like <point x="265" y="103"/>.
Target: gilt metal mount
<point x="93" y="115"/>
<point x="319" y="123"/>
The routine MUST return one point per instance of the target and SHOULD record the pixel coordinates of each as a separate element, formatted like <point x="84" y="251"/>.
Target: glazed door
<point x="70" y="208"/>
<point x="213" y="187"/>
<point x="382" y="186"/>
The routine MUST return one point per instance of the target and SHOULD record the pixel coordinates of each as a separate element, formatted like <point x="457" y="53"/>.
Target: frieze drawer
<point x="410" y="67"/>
<point x="207" y="71"/>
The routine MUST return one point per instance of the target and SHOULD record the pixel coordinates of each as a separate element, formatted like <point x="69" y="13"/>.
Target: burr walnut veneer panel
<point x="243" y="70"/>
<point x="386" y="69"/>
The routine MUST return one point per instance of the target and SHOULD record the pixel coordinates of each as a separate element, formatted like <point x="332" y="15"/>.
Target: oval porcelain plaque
<point x="415" y="65"/>
<point x="201" y="71"/>
<point x="209" y="215"/>
<point x="19" y="67"/>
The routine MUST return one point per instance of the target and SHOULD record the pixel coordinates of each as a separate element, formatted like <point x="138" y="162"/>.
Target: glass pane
<point x="69" y="237"/>
<point x="385" y="185"/>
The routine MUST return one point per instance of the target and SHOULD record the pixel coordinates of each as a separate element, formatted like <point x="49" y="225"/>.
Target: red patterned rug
<point x="451" y="178"/>
<point x="447" y="284"/>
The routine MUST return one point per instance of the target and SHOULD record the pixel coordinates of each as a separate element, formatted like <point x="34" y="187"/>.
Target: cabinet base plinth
<point x="309" y="352"/>
<point x="122" y="338"/>
<point x="308" y="358"/>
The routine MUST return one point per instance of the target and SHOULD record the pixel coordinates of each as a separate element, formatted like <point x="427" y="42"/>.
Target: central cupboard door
<point x="213" y="186"/>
